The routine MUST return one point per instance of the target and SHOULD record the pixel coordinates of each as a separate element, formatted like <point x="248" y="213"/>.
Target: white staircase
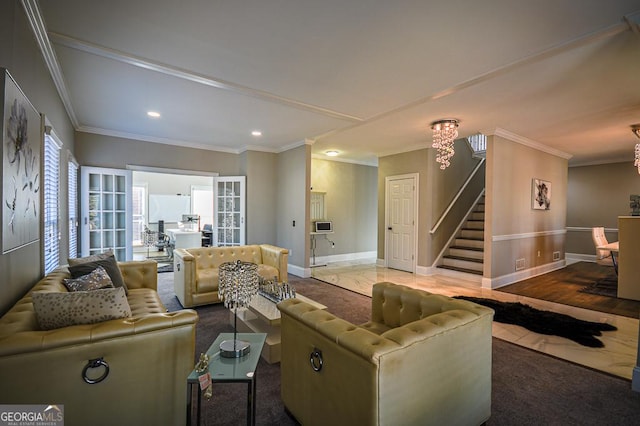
<point x="466" y="253"/>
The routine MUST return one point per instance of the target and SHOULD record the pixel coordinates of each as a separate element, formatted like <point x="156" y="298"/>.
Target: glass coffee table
<point x="263" y="316"/>
<point x="230" y="370"/>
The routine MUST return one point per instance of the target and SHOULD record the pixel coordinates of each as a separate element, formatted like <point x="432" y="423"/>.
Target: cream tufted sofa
<point x="423" y="359"/>
<point x="196" y="269"/>
<point x="149" y="356"/>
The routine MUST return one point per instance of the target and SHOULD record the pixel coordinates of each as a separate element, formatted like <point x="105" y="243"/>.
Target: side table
<point x="230" y="370"/>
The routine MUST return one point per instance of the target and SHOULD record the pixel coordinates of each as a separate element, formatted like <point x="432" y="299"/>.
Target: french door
<point x="106" y="212"/>
<point x="229" y="211"/>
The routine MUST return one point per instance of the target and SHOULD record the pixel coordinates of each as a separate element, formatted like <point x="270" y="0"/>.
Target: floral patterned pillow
<point x="94" y="280"/>
<point x="60" y="309"/>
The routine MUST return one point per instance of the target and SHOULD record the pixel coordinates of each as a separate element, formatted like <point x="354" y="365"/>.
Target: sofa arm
<point x="75" y="335"/>
<point x="277" y="257"/>
<point x="140" y="274"/>
<point x="184" y="276"/>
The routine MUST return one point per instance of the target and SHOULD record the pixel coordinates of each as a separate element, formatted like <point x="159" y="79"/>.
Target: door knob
<point x="390" y="228"/>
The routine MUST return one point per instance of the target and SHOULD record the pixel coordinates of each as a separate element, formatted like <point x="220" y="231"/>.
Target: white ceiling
<point x="360" y="76"/>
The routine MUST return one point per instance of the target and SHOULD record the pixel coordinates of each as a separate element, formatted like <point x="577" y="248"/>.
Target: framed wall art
<point x="541" y="194"/>
<point x="21" y="144"/>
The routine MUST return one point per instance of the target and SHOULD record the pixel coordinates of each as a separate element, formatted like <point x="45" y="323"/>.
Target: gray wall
<point x="400" y="164"/>
<point x="293" y="182"/>
<point x="262" y="190"/>
<point x="258" y="167"/>
<point x="437" y="188"/>
<point x="596" y="196"/>
<point x="351" y="202"/>
<point x="21" y="268"/>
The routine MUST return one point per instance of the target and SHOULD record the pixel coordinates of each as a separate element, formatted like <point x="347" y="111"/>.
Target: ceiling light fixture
<point x="444" y="134"/>
<point x="332" y="153"/>
<point x="635" y="128"/>
<point x="256" y="133"/>
<point x="153" y="114"/>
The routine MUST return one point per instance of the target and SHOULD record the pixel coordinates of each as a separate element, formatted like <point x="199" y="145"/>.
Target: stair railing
<point x="452" y="203"/>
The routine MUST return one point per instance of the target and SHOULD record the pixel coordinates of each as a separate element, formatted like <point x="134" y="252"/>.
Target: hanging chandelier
<point x="635" y="128"/>
<point x="445" y="133"/>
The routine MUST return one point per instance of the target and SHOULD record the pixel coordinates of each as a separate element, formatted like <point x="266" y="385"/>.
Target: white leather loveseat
<point x="196" y="269"/>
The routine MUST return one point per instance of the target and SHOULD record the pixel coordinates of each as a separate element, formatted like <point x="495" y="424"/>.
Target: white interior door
<point x="401" y="197"/>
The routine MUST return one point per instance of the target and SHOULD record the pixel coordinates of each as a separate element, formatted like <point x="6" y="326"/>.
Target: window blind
<point x="51" y="208"/>
<point x="73" y="208"/>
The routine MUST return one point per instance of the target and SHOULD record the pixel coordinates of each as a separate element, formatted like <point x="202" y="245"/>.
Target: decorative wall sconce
<point x="445" y="133"/>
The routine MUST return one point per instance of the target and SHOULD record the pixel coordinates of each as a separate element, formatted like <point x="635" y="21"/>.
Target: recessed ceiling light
<point x="332" y="153"/>
<point x="153" y="114"/>
<point x="256" y="133"/>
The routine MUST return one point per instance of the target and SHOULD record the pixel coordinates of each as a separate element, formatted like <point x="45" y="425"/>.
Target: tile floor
<point x="618" y="357"/>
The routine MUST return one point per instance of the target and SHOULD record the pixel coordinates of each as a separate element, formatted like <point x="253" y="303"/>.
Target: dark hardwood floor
<point x="564" y="285"/>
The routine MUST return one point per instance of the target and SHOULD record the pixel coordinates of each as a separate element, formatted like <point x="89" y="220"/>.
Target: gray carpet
<point x="529" y="388"/>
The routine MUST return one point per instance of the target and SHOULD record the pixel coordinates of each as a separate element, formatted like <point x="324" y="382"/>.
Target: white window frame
<point x="51" y="194"/>
<point x="138" y="240"/>
<point x="72" y="176"/>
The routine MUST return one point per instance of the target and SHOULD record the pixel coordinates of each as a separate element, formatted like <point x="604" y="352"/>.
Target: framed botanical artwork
<point x="541" y="194"/>
<point x="21" y="142"/>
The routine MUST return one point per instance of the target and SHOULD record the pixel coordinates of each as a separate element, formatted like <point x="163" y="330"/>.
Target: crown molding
<point x="185" y="74"/>
<point x="34" y="16"/>
<point x="343" y="160"/>
<point x="526" y="141"/>
<point x="164" y="141"/>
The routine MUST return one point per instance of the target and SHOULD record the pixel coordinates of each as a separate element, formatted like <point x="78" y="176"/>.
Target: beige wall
<point x="21" y="268"/>
<point x="351" y="204"/>
<point x="513" y="230"/>
<point x="596" y="196"/>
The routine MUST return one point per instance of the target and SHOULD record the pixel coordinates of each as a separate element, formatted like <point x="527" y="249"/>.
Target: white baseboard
<point x="298" y="271"/>
<point x="493" y="283"/>
<point x="579" y="257"/>
<point x="346" y="257"/>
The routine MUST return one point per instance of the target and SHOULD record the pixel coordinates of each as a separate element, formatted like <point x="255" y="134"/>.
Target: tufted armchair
<point x="196" y="269"/>
<point x="423" y="359"/>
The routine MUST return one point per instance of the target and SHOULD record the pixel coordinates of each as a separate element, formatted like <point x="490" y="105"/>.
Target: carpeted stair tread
<point x="458" y="269"/>
<point x="467" y="248"/>
<point x="467" y="259"/>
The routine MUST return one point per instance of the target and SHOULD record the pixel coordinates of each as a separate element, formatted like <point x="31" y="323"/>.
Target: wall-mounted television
<point x="323" y="226"/>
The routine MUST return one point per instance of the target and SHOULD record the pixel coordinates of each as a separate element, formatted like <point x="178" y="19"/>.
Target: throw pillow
<point x="95" y="280"/>
<point x="60" y="309"/>
<point x="84" y="265"/>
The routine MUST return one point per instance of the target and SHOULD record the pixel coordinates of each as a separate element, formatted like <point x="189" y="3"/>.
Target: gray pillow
<point x="95" y="280"/>
<point x="61" y="309"/>
<point x="85" y="265"/>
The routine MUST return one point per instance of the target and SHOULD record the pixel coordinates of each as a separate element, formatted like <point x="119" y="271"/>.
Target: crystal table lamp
<point x="238" y="283"/>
